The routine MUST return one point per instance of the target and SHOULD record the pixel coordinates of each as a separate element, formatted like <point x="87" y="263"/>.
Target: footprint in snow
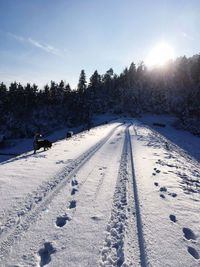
<point x="96" y="218"/>
<point x="72" y="204"/>
<point x="74" y="190"/>
<point x="188" y="233"/>
<point x="156" y="170"/>
<point x="172" y="194"/>
<point x="60" y="161"/>
<point x="163" y="189"/>
<point x="45" y="253"/>
<point x="172" y="218"/>
<point x="61" y="221"/>
<point x="74" y="182"/>
<point x="193" y="252"/>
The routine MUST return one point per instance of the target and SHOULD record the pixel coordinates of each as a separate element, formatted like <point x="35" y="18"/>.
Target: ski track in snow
<point x="63" y="219"/>
<point x="174" y="162"/>
<point x="113" y="251"/>
<point x="129" y="238"/>
<point x="14" y="224"/>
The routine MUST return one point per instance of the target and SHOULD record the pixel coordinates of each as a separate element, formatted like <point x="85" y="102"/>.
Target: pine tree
<point x="3" y="102"/>
<point x="52" y="91"/>
<point x="60" y="92"/>
<point x="82" y="84"/>
<point x="95" y="82"/>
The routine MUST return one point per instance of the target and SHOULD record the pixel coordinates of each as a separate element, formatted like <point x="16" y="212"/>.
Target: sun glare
<point x="159" y="55"/>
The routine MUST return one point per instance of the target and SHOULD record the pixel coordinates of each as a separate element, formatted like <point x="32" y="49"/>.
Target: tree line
<point x="171" y="89"/>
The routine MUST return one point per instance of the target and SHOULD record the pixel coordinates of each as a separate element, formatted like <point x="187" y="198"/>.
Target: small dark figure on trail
<point x="69" y="134"/>
<point x="39" y="143"/>
<point x="166" y="145"/>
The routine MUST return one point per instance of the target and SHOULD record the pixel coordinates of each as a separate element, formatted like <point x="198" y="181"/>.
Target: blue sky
<point x="43" y="40"/>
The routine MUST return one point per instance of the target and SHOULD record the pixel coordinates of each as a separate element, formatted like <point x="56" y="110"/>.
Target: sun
<point x="159" y="55"/>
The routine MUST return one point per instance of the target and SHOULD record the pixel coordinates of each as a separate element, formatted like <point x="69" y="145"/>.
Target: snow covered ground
<point x="15" y="147"/>
<point x="121" y="194"/>
<point x="183" y="139"/>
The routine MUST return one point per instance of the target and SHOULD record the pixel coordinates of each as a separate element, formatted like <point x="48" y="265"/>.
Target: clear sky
<point x="43" y="40"/>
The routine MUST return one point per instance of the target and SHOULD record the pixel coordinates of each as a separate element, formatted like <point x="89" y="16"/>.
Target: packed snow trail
<point x="18" y="219"/>
<point x="109" y="192"/>
<point x="168" y="183"/>
<point x="75" y="218"/>
<point x="143" y="256"/>
<point x="130" y="199"/>
<point x="124" y="244"/>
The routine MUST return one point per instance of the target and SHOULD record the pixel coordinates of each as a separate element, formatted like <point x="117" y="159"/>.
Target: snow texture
<point x="121" y="194"/>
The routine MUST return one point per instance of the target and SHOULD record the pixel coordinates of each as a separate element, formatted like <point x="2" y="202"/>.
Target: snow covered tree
<point x="82" y="84"/>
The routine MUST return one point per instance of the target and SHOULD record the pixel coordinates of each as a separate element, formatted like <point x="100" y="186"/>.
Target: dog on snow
<point x="39" y="143"/>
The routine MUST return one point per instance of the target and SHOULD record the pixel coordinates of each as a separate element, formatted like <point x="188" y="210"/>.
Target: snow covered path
<point x="169" y="191"/>
<point x="125" y="196"/>
<point x="27" y="179"/>
<point x="74" y="220"/>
